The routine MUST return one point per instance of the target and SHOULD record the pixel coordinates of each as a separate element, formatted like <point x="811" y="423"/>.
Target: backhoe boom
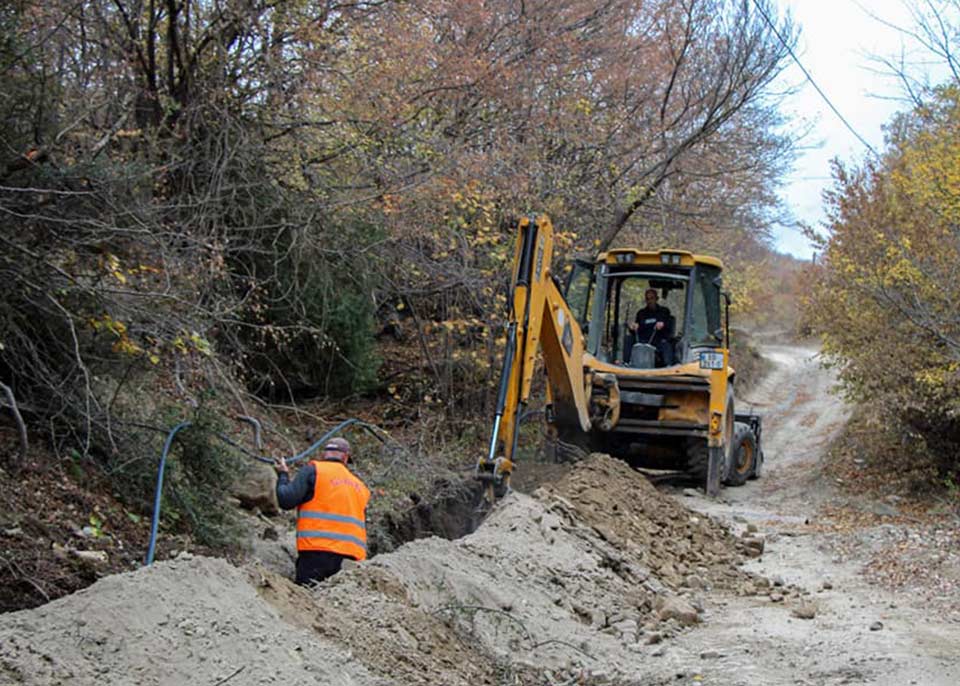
<point x="539" y="319"/>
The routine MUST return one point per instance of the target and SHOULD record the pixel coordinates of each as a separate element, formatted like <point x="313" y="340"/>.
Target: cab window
<point x="705" y="308"/>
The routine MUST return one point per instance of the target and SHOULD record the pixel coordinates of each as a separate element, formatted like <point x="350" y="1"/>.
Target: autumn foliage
<point x="240" y="197"/>
<point x="886" y="294"/>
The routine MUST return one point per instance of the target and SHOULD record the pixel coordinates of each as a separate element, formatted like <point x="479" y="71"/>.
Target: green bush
<point x="200" y="472"/>
<point x="201" y="475"/>
<point x="314" y="330"/>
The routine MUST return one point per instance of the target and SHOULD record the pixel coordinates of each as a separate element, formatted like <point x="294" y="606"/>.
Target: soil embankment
<point x="584" y="579"/>
<point x="597" y="577"/>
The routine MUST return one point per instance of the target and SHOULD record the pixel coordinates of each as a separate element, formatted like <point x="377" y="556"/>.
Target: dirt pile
<point x="580" y="581"/>
<point x="186" y="621"/>
<point x="684" y="549"/>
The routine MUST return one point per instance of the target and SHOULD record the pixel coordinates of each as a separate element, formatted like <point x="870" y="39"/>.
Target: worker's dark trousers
<point x="317" y="565"/>
<point x="665" y="348"/>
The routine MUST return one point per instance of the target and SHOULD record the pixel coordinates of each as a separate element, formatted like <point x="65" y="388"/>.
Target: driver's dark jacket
<point x="647" y="321"/>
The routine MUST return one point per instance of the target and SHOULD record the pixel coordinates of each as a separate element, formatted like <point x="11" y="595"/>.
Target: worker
<point x="653" y="326"/>
<point x="331" y="511"/>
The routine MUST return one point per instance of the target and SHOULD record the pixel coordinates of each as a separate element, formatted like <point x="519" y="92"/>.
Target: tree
<point x="229" y="191"/>
<point x="886" y="294"/>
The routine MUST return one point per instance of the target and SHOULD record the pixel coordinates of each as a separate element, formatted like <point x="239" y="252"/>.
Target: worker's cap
<point x="338" y="445"/>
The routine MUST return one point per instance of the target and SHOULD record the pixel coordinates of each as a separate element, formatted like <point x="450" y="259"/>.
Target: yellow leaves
<point x="564" y="241"/>
<point x="887" y="292"/>
<point x="390" y="203"/>
<point x="127" y="347"/>
<point x="122" y="343"/>
<point x="111" y="264"/>
<point x="108" y="323"/>
<point x="463" y="326"/>
<point x="583" y="106"/>
<point x="201" y="344"/>
<point x="192" y="340"/>
<point x="902" y="272"/>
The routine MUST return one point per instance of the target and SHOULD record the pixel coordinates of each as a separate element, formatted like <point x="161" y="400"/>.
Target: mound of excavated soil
<point x="185" y="621"/>
<point x="579" y="580"/>
<point x="685" y="550"/>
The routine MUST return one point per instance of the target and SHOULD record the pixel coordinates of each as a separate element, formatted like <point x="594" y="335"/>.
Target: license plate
<point x="711" y="360"/>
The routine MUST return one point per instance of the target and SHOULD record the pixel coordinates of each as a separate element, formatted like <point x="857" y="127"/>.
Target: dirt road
<point x="860" y="633"/>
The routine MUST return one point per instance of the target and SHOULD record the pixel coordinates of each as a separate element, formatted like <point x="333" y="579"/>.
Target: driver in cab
<point x="651" y="326"/>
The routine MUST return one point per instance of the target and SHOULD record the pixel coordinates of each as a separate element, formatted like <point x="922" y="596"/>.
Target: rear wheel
<point x="743" y="464"/>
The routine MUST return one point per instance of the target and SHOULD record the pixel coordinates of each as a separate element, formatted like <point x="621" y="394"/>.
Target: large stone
<point x="679" y="610"/>
<point x="257" y="489"/>
<point x="755" y="543"/>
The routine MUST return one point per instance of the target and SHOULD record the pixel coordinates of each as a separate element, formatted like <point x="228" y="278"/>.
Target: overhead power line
<point x="809" y="78"/>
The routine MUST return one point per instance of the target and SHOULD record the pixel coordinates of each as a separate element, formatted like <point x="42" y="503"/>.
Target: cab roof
<point x="665" y="257"/>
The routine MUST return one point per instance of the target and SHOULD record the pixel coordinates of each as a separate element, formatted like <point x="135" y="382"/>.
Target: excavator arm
<point x="540" y="319"/>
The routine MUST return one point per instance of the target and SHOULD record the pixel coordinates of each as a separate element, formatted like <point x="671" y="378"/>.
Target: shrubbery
<point x="198" y="200"/>
<point x="886" y="294"/>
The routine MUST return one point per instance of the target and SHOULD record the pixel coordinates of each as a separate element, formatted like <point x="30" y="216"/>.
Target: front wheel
<point x="698" y="459"/>
<point x="745" y="458"/>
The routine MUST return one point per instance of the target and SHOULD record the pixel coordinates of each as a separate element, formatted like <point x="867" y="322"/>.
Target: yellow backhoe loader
<point x="662" y="399"/>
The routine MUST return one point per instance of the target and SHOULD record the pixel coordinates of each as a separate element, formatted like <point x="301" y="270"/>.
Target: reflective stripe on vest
<point x="333" y="519"/>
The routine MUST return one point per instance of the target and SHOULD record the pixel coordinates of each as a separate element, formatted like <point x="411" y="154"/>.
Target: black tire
<point x="698" y="459"/>
<point x="758" y="467"/>
<point x="698" y="452"/>
<point x="745" y="455"/>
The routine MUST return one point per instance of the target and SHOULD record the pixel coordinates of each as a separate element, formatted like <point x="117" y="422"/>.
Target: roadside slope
<point x="583" y="580"/>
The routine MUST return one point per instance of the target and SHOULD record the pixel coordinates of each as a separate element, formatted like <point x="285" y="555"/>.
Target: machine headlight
<point x="624" y="258"/>
<point x="711" y="360"/>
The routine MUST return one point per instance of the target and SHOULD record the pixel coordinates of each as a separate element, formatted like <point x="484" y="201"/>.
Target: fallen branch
<point x="474" y="609"/>
<point x="227" y="678"/>
<point x="567" y="644"/>
<point x="15" y="411"/>
<point x="18" y="573"/>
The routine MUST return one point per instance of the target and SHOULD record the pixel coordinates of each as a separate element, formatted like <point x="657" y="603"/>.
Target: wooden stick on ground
<point x="15" y="411"/>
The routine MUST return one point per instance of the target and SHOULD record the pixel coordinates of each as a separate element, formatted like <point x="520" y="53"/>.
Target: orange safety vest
<point x="334" y="519"/>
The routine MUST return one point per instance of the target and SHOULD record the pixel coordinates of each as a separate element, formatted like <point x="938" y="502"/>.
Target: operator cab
<point x="656" y="309"/>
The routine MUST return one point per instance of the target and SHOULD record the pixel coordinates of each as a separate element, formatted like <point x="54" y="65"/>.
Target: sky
<point x="838" y="39"/>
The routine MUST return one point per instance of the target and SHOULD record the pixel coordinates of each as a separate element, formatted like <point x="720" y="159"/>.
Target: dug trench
<point x="581" y="581"/>
<point x="594" y="576"/>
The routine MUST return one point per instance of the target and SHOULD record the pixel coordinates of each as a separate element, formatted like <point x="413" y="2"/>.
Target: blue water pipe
<point x="156" y="496"/>
<point x="155" y="522"/>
